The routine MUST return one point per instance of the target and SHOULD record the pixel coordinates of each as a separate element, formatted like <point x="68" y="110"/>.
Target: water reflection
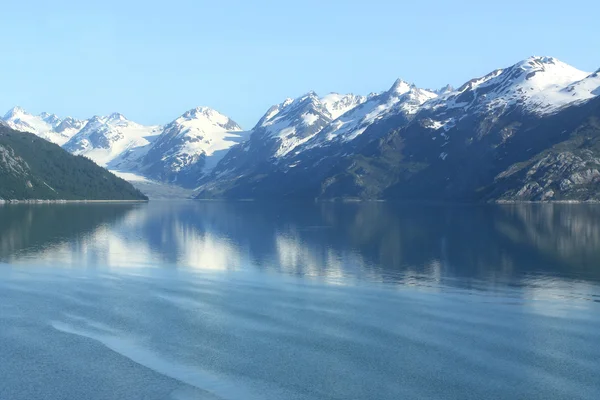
<point x="375" y="241"/>
<point x="505" y="303"/>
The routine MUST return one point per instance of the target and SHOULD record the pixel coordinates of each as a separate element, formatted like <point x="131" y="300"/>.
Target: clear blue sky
<point x="153" y="60"/>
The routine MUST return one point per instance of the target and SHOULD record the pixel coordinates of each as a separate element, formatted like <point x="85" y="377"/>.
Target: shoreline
<point x="63" y="201"/>
<point x="42" y="201"/>
<point x="408" y="202"/>
<point x="546" y="202"/>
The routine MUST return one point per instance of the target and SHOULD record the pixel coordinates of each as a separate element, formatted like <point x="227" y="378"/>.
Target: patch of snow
<point x="130" y="176"/>
<point x="309" y="119"/>
<point x="339" y="104"/>
<point x="50" y="187"/>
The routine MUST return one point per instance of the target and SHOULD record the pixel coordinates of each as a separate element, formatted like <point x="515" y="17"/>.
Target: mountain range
<point x="526" y="132"/>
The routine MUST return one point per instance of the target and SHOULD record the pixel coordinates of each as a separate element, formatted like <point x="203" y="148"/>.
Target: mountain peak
<point x="286" y="102"/>
<point x="116" y="117"/>
<point x="547" y="65"/>
<point x="401" y="87"/>
<point x="201" y="111"/>
<point x="15" y="112"/>
<point x="311" y="93"/>
<point x="541" y="60"/>
<point x="311" y="97"/>
<point x="446" y="89"/>
<point x="207" y="118"/>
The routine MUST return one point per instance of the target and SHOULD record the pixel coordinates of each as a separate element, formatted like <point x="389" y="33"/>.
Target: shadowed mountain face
<point x="373" y="241"/>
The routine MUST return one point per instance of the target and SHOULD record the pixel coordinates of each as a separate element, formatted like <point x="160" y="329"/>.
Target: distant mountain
<point x="282" y="143"/>
<point x="47" y="126"/>
<point x="526" y="132"/>
<point x="180" y="152"/>
<point x="285" y="128"/>
<point x="185" y="149"/>
<point x="33" y="168"/>
<point x="103" y="139"/>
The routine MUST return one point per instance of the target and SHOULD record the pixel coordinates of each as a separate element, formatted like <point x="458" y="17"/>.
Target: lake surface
<point x="210" y="300"/>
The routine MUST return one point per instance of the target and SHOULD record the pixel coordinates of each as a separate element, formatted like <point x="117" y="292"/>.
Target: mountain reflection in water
<point x="379" y="242"/>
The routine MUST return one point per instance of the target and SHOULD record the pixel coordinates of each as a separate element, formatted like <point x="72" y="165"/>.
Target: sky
<point x="153" y="60"/>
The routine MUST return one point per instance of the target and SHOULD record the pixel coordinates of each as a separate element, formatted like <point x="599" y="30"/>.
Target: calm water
<point x="197" y="300"/>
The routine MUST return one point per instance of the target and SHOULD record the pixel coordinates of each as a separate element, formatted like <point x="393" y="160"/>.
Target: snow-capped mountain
<point x="43" y="125"/>
<point x="289" y="125"/>
<point x="303" y="131"/>
<point x="402" y="98"/>
<point x="388" y="145"/>
<point x="292" y="123"/>
<point x="283" y="128"/>
<point x="69" y="126"/>
<point x="103" y="139"/>
<point x="540" y="85"/>
<point x="187" y="148"/>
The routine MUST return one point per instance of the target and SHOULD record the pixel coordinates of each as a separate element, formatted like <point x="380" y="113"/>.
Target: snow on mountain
<point x="195" y="141"/>
<point x="103" y="139"/>
<point x="584" y="89"/>
<point x="68" y="127"/>
<point x="402" y="97"/>
<point x="338" y="104"/>
<point x="292" y="123"/>
<point x="289" y="129"/>
<point x="198" y="139"/>
<point x="538" y="84"/>
<point x="296" y="121"/>
<point x="307" y="129"/>
<point x="42" y="125"/>
<point x="19" y="119"/>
